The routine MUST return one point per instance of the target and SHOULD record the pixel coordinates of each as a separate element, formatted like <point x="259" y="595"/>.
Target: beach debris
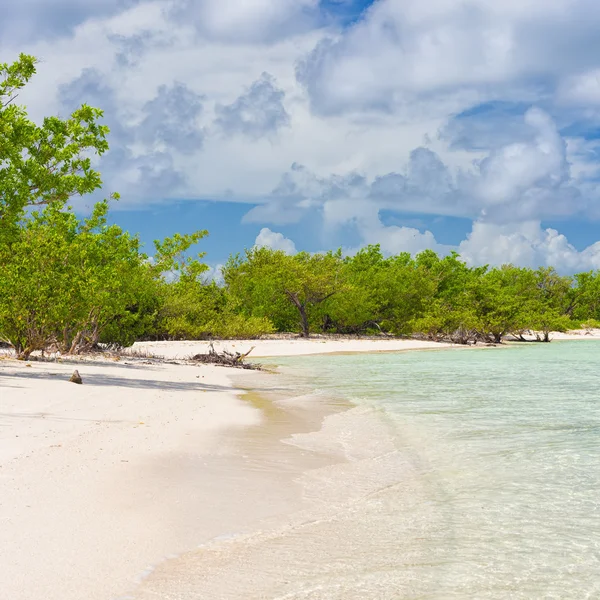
<point x="225" y="359"/>
<point x="76" y="377"/>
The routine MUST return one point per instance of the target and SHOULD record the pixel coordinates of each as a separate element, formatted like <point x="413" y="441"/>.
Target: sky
<point x="315" y="124"/>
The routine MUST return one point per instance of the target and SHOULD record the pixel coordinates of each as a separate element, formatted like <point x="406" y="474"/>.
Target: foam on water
<point x="459" y="474"/>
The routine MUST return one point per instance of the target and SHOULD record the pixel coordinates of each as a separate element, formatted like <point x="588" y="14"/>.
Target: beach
<point x="100" y="482"/>
<point x="111" y="489"/>
<point x="293" y="346"/>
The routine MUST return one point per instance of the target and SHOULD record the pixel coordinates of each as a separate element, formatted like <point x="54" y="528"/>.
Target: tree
<point x="502" y="299"/>
<point x="586" y="296"/>
<point x="42" y="164"/>
<point x="64" y="280"/>
<point x="446" y="308"/>
<point x="552" y="303"/>
<point x="358" y="307"/>
<point x="271" y="283"/>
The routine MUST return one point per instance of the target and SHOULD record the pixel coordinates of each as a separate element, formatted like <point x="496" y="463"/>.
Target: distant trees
<point x="585" y="297"/>
<point x="440" y="298"/>
<point x="191" y="307"/>
<point x="271" y="284"/>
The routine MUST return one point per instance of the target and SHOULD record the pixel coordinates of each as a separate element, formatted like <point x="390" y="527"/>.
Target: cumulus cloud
<point x="532" y="178"/>
<point x="141" y="160"/>
<point x="171" y="119"/>
<point x="524" y="180"/>
<point x="277" y="241"/>
<point x="394" y="239"/>
<point x="214" y="273"/>
<point x="486" y="126"/>
<point x="407" y="49"/>
<point x="526" y="244"/>
<point x="581" y="89"/>
<point x="257" y="113"/>
<point x="248" y="20"/>
<point x="35" y="19"/>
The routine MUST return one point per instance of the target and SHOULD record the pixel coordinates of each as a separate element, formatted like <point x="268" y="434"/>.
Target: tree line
<point x="69" y="284"/>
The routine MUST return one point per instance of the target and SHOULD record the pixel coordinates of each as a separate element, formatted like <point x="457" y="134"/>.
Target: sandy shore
<point x="100" y="481"/>
<point x="577" y="334"/>
<point x="286" y="347"/>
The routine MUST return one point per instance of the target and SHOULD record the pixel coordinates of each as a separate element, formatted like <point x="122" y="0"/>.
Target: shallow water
<point x="461" y="474"/>
<point x="506" y="444"/>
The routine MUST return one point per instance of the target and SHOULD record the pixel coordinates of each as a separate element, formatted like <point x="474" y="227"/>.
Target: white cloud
<point x="526" y="244"/>
<point x="249" y="20"/>
<point x="582" y="89"/>
<point x="277" y="241"/>
<point x="526" y="180"/>
<point x="530" y="178"/>
<point x="257" y="113"/>
<point x="407" y="49"/>
<point x="394" y="239"/>
<point x="214" y="273"/>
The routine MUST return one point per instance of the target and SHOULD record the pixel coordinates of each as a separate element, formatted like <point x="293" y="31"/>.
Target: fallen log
<point x="225" y="359"/>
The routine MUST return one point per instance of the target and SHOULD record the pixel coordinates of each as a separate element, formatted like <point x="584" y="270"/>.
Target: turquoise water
<point x="487" y="484"/>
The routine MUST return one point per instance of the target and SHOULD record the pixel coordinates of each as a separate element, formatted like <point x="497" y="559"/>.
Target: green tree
<point x="503" y="300"/>
<point x="270" y="283"/>
<point x="586" y="296"/>
<point x="42" y="164"/>
<point x="552" y="303"/>
<point x="64" y="280"/>
<point x="446" y="310"/>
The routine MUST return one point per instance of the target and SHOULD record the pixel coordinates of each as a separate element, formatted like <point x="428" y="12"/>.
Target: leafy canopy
<point x="41" y="164"/>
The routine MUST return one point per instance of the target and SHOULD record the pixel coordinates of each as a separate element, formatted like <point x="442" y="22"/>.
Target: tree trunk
<point x="304" y="321"/>
<point x="302" y="310"/>
<point x="75" y="343"/>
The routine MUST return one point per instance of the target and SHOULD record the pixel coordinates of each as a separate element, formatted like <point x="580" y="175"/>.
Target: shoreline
<point x="275" y="348"/>
<point x="101" y="483"/>
<point x="98" y="481"/>
<point x="268" y="348"/>
<point x="342" y="453"/>
<point x="108" y="489"/>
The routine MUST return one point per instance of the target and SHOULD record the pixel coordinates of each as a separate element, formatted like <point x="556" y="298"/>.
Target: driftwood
<point x="225" y="359"/>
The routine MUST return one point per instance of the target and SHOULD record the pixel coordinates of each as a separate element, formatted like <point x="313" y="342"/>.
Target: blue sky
<point x="307" y="124"/>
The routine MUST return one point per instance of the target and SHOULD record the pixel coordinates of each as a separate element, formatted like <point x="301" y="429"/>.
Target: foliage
<point x="42" y="164"/>
<point x="64" y="281"/>
<point x="288" y="290"/>
<point x="585" y="299"/>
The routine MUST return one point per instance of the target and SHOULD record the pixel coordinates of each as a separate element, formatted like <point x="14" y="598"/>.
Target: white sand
<point x="286" y="347"/>
<point x="101" y="480"/>
<point x="577" y="334"/>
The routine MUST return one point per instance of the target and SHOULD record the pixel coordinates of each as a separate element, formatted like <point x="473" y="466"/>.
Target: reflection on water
<point x="468" y="474"/>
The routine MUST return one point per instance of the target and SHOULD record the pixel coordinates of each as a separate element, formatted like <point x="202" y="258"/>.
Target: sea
<point x="456" y="474"/>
